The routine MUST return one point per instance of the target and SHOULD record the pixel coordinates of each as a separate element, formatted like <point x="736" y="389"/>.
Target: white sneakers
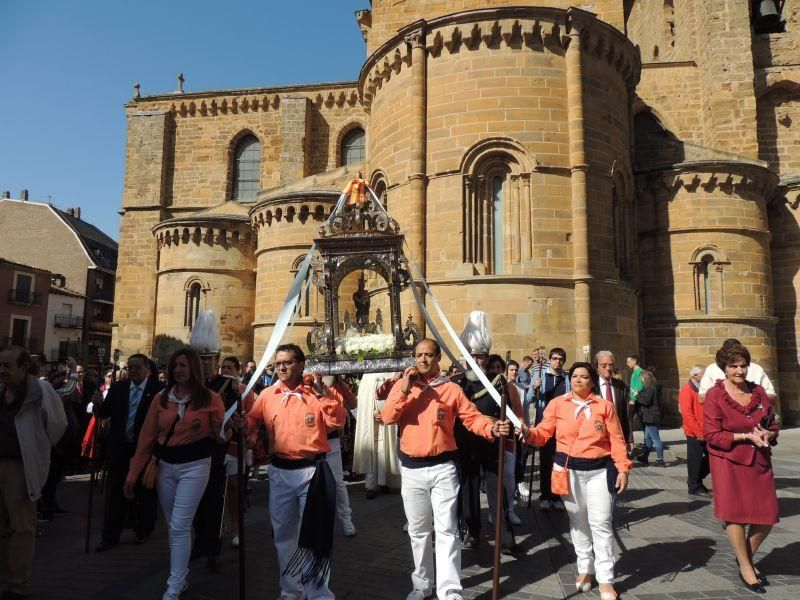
<point x="348" y="528"/>
<point x="454" y="596"/>
<point x="419" y="595"/>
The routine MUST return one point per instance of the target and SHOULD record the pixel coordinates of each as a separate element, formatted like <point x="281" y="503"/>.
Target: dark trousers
<point x="139" y="514"/>
<point x="208" y="518"/>
<point x="696" y="463"/>
<point x="470" y="489"/>
<point x="47" y="503"/>
<point x="546" y="455"/>
<point x="520" y="458"/>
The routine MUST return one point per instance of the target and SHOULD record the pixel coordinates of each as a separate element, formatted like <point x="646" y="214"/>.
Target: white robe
<point x="375" y="444"/>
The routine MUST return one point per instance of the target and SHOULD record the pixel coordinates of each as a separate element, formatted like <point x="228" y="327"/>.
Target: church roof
<point x="101" y="249"/>
<point x="327" y="183"/>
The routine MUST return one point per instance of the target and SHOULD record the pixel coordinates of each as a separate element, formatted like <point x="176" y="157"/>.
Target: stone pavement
<point x="671" y="548"/>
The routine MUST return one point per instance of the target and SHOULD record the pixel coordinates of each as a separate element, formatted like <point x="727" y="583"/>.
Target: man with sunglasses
<point x="552" y="384"/>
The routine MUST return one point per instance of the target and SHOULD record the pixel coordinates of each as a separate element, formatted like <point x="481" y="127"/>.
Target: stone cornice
<point x="212" y="231"/>
<point x="709" y="175"/>
<point x="673" y="319"/>
<point x="537" y="28"/>
<point x="212" y="103"/>
<point x="294" y="205"/>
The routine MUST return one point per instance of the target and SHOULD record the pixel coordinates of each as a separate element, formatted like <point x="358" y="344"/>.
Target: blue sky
<point x="67" y="67"/>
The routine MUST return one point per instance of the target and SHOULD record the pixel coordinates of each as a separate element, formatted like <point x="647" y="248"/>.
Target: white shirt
<point x="602" y="394"/>
<point x="755" y="374"/>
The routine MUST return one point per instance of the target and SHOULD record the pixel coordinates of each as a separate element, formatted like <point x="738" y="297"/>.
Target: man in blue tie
<point x="126" y="406"/>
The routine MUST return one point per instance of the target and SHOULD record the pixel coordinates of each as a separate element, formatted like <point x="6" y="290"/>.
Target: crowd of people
<point x="437" y="433"/>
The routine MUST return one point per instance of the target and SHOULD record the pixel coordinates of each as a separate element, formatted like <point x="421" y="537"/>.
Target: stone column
<point x="578" y="169"/>
<point x="516" y="214"/>
<point x="527" y="231"/>
<point x="415" y="234"/>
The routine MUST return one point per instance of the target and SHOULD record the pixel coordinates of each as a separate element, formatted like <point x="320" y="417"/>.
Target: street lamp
<point x="101" y="356"/>
<point x="117" y="352"/>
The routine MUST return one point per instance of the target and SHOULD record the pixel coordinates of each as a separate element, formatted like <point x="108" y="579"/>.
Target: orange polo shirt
<point x="426" y="416"/>
<point x="598" y="436"/>
<point x="297" y="422"/>
<point x="197" y="423"/>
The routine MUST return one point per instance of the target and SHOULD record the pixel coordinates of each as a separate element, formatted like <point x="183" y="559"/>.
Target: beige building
<point x="621" y="175"/>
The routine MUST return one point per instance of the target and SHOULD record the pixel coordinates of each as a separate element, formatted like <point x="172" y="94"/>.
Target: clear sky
<point x="67" y="67"/>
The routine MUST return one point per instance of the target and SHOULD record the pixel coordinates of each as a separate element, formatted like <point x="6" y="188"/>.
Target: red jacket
<point x="691" y="411"/>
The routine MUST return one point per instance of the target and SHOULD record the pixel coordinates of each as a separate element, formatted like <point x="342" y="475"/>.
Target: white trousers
<point x="433" y="492"/>
<point x="287" y="500"/>
<point x="591" y="528"/>
<point x="180" y="488"/>
<point x="334" y="458"/>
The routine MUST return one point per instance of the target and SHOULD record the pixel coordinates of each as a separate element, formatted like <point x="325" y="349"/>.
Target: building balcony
<point x="103" y="295"/>
<point x="20" y="296"/>
<point x="99" y="325"/>
<point x="69" y="322"/>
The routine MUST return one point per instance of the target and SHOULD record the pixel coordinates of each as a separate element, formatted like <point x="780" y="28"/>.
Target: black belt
<point x="577" y="463"/>
<point x="420" y="462"/>
<point x="186" y="453"/>
<point x="295" y="463"/>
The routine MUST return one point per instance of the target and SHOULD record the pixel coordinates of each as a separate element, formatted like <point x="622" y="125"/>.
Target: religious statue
<point x="379" y="321"/>
<point x="361" y="300"/>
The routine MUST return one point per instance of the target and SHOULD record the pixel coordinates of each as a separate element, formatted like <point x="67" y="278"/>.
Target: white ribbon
<point x="182" y="402"/>
<point x="587" y="411"/>
<point x="285" y="317"/>
<point x="456" y="340"/>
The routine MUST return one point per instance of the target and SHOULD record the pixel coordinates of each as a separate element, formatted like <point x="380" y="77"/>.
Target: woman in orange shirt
<point x="590" y="445"/>
<point x="181" y="428"/>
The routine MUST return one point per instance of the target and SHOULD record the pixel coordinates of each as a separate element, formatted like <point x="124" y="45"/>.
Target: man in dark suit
<point x="126" y="406"/>
<point x="614" y="390"/>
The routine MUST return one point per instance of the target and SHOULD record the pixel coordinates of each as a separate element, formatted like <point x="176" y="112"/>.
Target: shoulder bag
<point x="559" y="479"/>
<point x="150" y="471"/>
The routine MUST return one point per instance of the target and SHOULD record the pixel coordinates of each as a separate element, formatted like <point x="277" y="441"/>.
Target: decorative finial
<point x="180" y="82"/>
<point x="136" y="93"/>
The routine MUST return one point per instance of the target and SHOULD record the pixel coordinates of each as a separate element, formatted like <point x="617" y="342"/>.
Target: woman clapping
<point x="592" y="450"/>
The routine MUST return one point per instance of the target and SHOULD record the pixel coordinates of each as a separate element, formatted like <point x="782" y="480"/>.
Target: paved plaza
<point x="671" y="548"/>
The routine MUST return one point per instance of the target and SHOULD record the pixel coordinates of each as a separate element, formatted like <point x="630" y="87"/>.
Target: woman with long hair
<point x="740" y="426"/>
<point x="649" y="404"/>
<point x="591" y="449"/>
<point x="181" y="428"/>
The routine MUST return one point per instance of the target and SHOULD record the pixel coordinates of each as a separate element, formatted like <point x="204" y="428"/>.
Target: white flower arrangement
<point x="361" y="345"/>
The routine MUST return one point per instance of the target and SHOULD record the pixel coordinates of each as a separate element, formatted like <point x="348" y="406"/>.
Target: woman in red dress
<point x="740" y="426"/>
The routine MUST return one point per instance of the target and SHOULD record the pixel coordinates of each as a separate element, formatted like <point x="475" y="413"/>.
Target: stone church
<point x="619" y="174"/>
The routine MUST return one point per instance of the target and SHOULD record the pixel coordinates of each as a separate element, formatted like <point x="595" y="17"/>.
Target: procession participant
<point x="346" y="397"/>
<point x="475" y="453"/>
<point x="614" y="390"/>
<point x="697" y="467"/>
<point x="298" y="413"/>
<point x="208" y="518"/>
<point x="181" y="429"/>
<point x="32" y="420"/>
<point x="755" y="374"/>
<point x="588" y="443"/>
<point x="230" y="371"/>
<point x="126" y="406"/>
<point x="518" y="376"/>
<point x="551" y="383"/>
<point x="425" y="407"/>
<point x="495" y="371"/>
<point x="375" y="442"/>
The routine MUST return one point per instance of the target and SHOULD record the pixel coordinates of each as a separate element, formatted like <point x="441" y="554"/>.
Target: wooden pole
<point x="499" y="513"/>
<point x="241" y="484"/>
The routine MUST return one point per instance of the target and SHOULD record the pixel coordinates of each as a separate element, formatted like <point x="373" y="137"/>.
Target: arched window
<point x="498" y="226"/>
<point x="303" y="308"/>
<point x="621" y="223"/>
<point x="192" y="307"/>
<point x="247" y="169"/>
<point x="353" y="149"/>
<point x="709" y="279"/>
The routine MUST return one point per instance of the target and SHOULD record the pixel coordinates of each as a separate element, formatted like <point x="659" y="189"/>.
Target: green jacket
<point x="636" y="383"/>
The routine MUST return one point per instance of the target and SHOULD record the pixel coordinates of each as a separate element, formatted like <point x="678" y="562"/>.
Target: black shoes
<point x="103" y="546"/>
<point x="756" y="587"/>
<point x="470" y="542"/>
<point x="642" y="458"/>
<point x="511" y="549"/>
<point x="660" y="462"/>
<point x="371" y="494"/>
<point x="702" y="492"/>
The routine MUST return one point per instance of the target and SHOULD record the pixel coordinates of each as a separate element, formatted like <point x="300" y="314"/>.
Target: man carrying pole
<point x="425" y="407"/>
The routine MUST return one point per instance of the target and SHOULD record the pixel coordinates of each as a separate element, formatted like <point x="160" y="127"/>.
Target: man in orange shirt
<point x="692" y="415"/>
<point x="425" y="406"/>
<point x="298" y="414"/>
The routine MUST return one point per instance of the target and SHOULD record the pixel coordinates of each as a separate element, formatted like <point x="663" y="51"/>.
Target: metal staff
<point x="498" y="517"/>
<point x="241" y="482"/>
<point x="535" y="409"/>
